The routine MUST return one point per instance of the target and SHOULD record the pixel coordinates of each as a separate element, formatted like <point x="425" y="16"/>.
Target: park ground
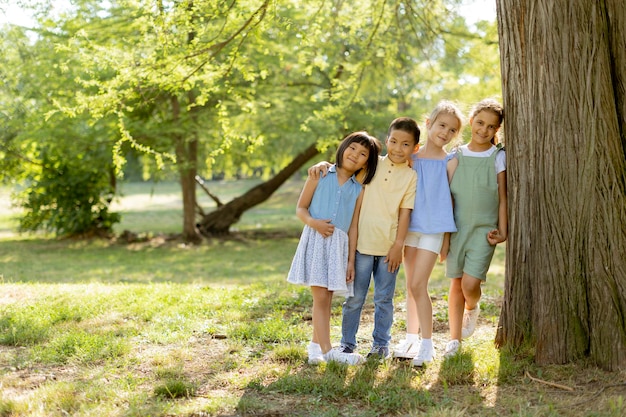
<point x="159" y="328"/>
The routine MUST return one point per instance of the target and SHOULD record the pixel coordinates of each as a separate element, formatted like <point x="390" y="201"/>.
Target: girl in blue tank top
<point x="431" y="218"/>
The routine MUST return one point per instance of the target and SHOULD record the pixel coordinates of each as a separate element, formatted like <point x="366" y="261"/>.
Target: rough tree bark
<point x="218" y="222"/>
<point x="564" y="80"/>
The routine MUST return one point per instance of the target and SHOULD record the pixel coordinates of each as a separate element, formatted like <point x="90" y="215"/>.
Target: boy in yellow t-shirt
<point x="384" y="217"/>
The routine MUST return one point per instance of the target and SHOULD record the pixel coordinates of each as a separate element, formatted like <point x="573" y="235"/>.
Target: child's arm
<point x="319" y="170"/>
<point x="353" y="234"/>
<point x="500" y="234"/>
<point x="322" y="226"/>
<point x="445" y="247"/>
<point x="394" y="256"/>
<point x="451" y="168"/>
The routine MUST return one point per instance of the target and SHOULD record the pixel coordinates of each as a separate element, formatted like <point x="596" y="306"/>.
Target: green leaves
<point x="229" y="88"/>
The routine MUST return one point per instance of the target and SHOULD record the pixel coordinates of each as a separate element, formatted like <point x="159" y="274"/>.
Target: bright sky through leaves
<point x="473" y="10"/>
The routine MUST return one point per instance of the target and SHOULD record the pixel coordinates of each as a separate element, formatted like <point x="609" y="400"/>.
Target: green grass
<point x="158" y="328"/>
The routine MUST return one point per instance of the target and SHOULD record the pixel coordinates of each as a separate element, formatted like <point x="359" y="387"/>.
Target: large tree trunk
<point x="218" y="222"/>
<point x="563" y="73"/>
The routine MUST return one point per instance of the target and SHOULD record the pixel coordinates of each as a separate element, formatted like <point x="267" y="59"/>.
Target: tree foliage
<point x="222" y="88"/>
<point x="61" y="164"/>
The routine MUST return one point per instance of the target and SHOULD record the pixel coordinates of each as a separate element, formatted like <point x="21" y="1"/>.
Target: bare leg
<point x="456" y="305"/>
<point x="412" y="317"/>
<point x="322" y="299"/>
<point x="471" y="291"/>
<point x="423" y="267"/>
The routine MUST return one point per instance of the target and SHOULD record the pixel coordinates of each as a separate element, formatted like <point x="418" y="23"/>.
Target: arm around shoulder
<point x="319" y="170"/>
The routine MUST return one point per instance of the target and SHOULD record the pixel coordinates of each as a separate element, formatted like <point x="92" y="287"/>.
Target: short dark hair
<point x="371" y="143"/>
<point x="405" y="124"/>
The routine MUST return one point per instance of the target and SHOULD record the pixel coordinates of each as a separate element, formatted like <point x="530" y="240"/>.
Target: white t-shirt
<point x="500" y="157"/>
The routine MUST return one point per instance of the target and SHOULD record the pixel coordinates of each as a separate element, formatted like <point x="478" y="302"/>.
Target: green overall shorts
<point x="474" y="189"/>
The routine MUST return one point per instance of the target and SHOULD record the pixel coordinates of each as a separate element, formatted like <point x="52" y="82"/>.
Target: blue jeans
<point x="384" y="286"/>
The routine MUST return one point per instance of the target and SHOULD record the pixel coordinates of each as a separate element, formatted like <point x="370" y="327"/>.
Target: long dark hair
<point x="373" y="146"/>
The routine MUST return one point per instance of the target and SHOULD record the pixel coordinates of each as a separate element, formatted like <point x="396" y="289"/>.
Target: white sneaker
<point x="452" y="348"/>
<point x="315" y="354"/>
<point x="426" y="354"/>
<point x="335" y="355"/>
<point x="406" y="349"/>
<point x="470" y="317"/>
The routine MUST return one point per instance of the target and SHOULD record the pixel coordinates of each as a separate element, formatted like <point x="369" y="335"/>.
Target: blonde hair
<point x="448" y="107"/>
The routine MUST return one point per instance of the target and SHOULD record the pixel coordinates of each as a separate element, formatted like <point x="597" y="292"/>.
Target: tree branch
<point x="215" y="198"/>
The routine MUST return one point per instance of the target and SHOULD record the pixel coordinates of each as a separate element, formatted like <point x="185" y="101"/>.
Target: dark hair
<point x="406" y="124"/>
<point x="373" y="146"/>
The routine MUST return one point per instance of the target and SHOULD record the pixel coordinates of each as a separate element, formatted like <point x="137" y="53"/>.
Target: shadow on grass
<point x="372" y="389"/>
<point x="376" y="388"/>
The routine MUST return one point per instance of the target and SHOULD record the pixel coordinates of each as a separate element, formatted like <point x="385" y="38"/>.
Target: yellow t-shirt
<point x="392" y="188"/>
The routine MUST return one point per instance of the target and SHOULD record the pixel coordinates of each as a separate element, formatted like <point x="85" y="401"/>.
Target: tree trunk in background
<point x="187" y="163"/>
<point x="218" y="222"/>
<point x="564" y="80"/>
<point x="187" y="173"/>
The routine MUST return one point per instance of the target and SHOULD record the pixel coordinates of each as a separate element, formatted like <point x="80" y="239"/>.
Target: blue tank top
<point x="433" y="201"/>
<point x="333" y="201"/>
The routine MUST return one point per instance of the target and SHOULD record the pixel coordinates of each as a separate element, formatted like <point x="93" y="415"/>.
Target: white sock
<point x="315" y="347"/>
<point x="427" y="342"/>
<point x="412" y="337"/>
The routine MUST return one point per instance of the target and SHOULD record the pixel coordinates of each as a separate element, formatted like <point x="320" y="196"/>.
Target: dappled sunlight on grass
<point x="158" y="327"/>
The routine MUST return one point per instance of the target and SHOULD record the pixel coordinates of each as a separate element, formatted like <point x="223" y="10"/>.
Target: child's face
<point x="443" y="129"/>
<point x="355" y="157"/>
<point x="400" y="146"/>
<point x="485" y="125"/>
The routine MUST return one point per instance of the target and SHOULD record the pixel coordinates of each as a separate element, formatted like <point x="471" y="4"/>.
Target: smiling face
<point x="485" y="125"/>
<point x="355" y="157"/>
<point x="400" y="146"/>
<point x="443" y="129"/>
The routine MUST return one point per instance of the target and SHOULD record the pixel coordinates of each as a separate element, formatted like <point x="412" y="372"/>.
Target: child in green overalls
<point x="478" y="190"/>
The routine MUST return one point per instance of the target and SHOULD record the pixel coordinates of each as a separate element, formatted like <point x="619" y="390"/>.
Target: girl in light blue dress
<point x="324" y="259"/>
<point x="431" y="219"/>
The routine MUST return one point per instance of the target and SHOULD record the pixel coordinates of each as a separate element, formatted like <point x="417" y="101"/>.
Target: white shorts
<point x="428" y="241"/>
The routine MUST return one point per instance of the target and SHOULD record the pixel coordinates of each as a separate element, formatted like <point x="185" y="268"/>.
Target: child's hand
<point x="350" y="272"/>
<point x="319" y="170"/>
<point x="324" y="227"/>
<point x="494" y="237"/>
<point x="443" y="255"/>
<point x="445" y="248"/>
<point x="394" y="258"/>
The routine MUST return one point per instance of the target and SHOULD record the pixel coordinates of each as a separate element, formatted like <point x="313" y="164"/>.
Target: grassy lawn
<point x="159" y="328"/>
